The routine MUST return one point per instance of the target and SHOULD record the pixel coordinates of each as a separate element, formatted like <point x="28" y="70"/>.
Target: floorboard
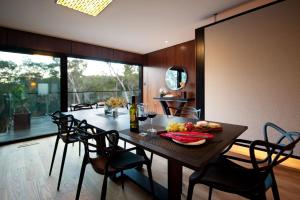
<point x="24" y="171"/>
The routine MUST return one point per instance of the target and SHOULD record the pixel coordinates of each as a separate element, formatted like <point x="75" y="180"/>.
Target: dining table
<point x="177" y="155"/>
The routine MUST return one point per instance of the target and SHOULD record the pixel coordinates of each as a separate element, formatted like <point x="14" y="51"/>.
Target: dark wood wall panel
<point x="88" y="50"/>
<point x="154" y="71"/>
<point x="58" y="45"/>
<point x="10" y="38"/>
<point x="123" y="56"/>
<point x="2" y="36"/>
<point x="37" y="42"/>
<point x="93" y="51"/>
<point x="157" y="64"/>
<point x="200" y="70"/>
<point x="20" y="39"/>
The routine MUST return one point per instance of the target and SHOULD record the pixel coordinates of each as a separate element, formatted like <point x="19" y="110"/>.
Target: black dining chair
<point x="252" y="183"/>
<point x="108" y="159"/>
<point x="65" y="132"/>
<point x="82" y="106"/>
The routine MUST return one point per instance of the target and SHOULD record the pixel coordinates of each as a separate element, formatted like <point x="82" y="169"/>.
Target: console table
<point x="166" y="108"/>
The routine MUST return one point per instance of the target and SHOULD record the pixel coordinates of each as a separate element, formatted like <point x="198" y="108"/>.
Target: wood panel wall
<point x="2" y="36"/>
<point x="10" y="38"/>
<point x="158" y="62"/>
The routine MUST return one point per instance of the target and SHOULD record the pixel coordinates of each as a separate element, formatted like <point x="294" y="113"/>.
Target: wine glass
<point x="142" y="116"/>
<point x="151" y="115"/>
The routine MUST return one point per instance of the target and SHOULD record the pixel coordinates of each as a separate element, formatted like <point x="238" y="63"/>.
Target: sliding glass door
<point x="29" y="91"/>
<point x="91" y="81"/>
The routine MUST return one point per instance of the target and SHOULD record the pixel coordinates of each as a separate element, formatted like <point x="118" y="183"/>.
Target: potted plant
<point x="112" y="104"/>
<point x="4" y="114"/>
<point x="21" y="115"/>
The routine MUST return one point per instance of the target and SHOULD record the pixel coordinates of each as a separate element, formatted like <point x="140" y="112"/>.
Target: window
<point x="29" y="91"/>
<point x="91" y="81"/>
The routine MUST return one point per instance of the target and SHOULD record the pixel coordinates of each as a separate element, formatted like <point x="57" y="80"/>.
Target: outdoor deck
<point x="40" y="126"/>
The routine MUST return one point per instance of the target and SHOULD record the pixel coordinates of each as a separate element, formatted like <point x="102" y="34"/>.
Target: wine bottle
<point x="134" y="123"/>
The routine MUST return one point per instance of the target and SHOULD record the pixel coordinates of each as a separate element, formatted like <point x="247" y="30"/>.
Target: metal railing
<point x="41" y="105"/>
<point x="99" y="96"/>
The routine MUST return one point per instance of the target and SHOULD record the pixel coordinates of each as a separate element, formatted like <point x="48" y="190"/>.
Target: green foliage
<point x="16" y="80"/>
<point x="8" y="71"/>
<point x="80" y="83"/>
<point x="20" y="81"/>
<point x="131" y="77"/>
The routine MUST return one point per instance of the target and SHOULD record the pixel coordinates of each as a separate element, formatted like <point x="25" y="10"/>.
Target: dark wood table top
<point x="193" y="157"/>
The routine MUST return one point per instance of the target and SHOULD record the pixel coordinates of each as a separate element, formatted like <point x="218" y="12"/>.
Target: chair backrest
<point x="65" y="123"/>
<point x="103" y="149"/>
<point x="82" y="106"/>
<point x="188" y="111"/>
<point x="276" y="152"/>
<point x="55" y="116"/>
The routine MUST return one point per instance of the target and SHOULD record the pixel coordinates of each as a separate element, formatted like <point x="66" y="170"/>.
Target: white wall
<point x="252" y="69"/>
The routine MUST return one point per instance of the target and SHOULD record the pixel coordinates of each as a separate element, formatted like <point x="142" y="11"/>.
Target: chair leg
<point x="79" y="148"/>
<point x="150" y="178"/>
<point x="190" y="190"/>
<point x="210" y="193"/>
<point x="82" y="171"/>
<point x="54" y="153"/>
<point x="151" y="158"/>
<point x="62" y="165"/>
<point x="274" y="188"/>
<point x="122" y="179"/>
<point x="275" y="193"/>
<point x="124" y="144"/>
<point x="104" y="187"/>
<point x="260" y="197"/>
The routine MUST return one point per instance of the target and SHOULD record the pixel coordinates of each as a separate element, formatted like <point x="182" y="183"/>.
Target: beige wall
<point x="252" y="69"/>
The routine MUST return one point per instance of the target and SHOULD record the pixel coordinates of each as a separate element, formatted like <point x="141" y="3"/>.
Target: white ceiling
<point x="140" y="26"/>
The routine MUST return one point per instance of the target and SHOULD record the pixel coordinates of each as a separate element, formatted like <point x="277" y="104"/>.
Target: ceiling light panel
<point x="90" y="7"/>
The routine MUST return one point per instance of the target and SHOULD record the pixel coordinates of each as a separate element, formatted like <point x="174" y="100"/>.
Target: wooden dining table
<point x="177" y="156"/>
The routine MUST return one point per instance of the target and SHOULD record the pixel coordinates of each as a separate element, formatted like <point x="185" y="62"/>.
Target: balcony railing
<point x="41" y="105"/>
<point x="99" y="96"/>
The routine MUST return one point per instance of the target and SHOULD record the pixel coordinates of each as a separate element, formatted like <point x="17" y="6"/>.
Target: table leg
<point x="174" y="180"/>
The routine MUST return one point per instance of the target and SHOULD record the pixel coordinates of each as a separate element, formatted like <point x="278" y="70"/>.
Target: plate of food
<point x="200" y="126"/>
<point x="188" y="137"/>
<point x="190" y="143"/>
<point x="207" y="126"/>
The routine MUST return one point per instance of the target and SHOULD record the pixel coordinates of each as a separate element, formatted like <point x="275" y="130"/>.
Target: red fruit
<point x="189" y="126"/>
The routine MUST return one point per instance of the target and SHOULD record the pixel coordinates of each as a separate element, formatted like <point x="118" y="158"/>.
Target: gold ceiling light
<point x="90" y="7"/>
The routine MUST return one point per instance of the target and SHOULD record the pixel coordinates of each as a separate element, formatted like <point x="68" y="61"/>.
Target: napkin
<point x="187" y="137"/>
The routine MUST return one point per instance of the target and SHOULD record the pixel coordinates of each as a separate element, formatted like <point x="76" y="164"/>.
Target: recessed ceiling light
<point x="166" y="41"/>
<point x="90" y="7"/>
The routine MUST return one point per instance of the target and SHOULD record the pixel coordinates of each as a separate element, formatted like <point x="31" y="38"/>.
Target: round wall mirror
<point x="176" y="78"/>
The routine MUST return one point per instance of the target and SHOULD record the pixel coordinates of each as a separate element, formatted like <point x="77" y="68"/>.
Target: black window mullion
<point x="64" y="83"/>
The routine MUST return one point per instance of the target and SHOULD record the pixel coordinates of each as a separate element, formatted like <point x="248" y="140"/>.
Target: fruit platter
<point x="200" y="126"/>
<point x="189" y="133"/>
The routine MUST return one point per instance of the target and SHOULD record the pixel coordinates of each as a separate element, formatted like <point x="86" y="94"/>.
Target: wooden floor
<point x="24" y="171"/>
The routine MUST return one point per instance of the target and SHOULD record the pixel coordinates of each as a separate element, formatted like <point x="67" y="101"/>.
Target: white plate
<point x="191" y="143"/>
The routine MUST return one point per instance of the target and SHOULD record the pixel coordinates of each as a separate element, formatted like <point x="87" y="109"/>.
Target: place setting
<point x="114" y="107"/>
<point x="144" y="113"/>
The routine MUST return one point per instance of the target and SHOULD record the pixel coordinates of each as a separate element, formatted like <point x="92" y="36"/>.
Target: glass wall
<point x="91" y="81"/>
<point x="29" y="91"/>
